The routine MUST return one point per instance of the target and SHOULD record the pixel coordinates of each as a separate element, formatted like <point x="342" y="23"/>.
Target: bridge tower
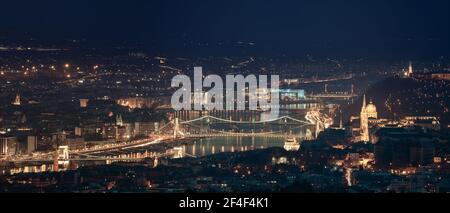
<point x="63" y="156"/>
<point x="318" y="129"/>
<point x="176" y="128"/>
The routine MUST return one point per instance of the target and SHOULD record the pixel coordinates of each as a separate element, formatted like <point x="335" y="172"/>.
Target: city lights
<point x="254" y="102"/>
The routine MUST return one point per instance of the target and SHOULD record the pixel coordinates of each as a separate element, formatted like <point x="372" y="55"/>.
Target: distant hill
<point x="398" y="97"/>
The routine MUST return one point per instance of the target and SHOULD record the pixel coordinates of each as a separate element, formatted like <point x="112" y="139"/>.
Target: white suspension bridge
<point x="210" y="126"/>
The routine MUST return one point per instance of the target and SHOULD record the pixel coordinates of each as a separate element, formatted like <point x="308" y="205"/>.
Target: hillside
<point x="398" y="97"/>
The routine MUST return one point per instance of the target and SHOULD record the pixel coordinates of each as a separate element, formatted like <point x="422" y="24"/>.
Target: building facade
<point x="8" y="146"/>
<point x="368" y="111"/>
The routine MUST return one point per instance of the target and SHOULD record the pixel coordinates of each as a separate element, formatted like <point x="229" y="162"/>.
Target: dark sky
<point x="410" y="28"/>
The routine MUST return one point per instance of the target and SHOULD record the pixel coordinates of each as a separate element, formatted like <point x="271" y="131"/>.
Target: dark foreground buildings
<point x="401" y="148"/>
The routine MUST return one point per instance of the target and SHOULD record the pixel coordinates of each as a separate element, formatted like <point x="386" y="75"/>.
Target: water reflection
<point x="210" y="146"/>
<point x="199" y="148"/>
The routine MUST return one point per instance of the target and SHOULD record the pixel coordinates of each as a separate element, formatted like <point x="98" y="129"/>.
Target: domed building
<point x="371" y="110"/>
<point x="368" y="111"/>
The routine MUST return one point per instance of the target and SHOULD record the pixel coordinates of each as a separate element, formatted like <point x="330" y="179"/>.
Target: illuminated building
<point x="426" y="122"/>
<point x="145" y="102"/>
<point x="291" y="144"/>
<point x="145" y="128"/>
<point x="109" y="132"/>
<point x="441" y="76"/>
<point x="291" y="94"/>
<point x="121" y="133"/>
<point x="84" y="103"/>
<point x="280" y="160"/>
<point x="119" y="120"/>
<point x="128" y="131"/>
<point x="17" y="101"/>
<point x="78" y="131"/>
<point x="8" y="146"/>
<point x="59" y="138"/>
<point x="367" y="112"/>
<point x="410" y="70"/>
<point x="117" y="132"/>
<point x="31" y="144"/>
<point x="291" y="81"/>
<point x="63" y="156"/>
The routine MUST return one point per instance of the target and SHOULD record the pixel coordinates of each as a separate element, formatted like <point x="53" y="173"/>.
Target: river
<point x="210" y="146"/>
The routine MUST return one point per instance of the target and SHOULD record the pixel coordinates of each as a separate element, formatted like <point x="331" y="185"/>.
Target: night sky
<point x="370" y="28"/>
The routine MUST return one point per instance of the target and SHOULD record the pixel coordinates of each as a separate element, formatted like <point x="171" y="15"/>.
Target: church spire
<point x="364" y="103"/>
<point x="410" y="70"/>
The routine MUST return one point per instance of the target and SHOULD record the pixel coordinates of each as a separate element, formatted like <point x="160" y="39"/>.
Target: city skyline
<point x="225" y="105"/>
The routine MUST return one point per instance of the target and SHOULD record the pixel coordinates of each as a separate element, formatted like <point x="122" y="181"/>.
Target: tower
<point x="17" y="100"/>
<point x="364" y="119"/>
<point x="367" y="111"/>
<point x="176" y="128"/>
<point x="23" y="119"/>
<point x="364" y="103"/>
<point x="410" y="70"/>
<point x="55" y="161"/>
<point x="119" y="120"/>
<point x="318" y="129"/>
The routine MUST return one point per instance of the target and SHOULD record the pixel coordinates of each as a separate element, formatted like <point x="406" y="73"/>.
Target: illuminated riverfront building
<point x="292" y="94"/>
<point x="367" y="112"/>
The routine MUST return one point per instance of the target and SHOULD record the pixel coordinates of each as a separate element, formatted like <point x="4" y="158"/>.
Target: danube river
<point x="210" y="146"/>
<point x="197" y="148"/>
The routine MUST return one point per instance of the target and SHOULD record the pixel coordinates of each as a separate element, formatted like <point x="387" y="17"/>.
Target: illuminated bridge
<point x="206" y="126"/>
<point x="210" y="126"/>
<point x="343" y="96"/>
